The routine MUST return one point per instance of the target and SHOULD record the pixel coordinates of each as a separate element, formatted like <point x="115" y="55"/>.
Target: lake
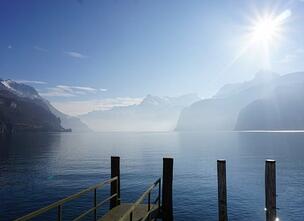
<point x="38" y="169"/>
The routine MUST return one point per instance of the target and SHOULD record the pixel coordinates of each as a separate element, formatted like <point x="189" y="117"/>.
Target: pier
<point x="161" y="207"/>
<point x="154" y="209"/>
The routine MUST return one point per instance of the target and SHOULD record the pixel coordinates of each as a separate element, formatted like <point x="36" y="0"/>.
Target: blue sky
<point x="86" y="53"/>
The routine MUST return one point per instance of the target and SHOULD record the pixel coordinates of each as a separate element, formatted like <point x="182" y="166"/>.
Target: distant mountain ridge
<point x="154" y="113"/>
<point x="261" y="77"/>
<point x="253" y="105"/>
<point x="267" y="102"/>
<point x="21" y="105"/>
<point x="283" y="109"/>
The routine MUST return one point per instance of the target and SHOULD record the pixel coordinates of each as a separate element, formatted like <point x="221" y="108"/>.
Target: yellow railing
<point x="130" y="212"/>
<point x="60" y="203"/>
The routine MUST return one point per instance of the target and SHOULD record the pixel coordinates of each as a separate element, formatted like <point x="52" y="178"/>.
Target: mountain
<point x="234" y="105"/>
<point x="260" y="78"/>
<point x="21" y="90"/>
<point x="22" y="108"/>
<point x="152" y="114"/>
<point x="283" y="109"/>
<point x="23" y="114"/>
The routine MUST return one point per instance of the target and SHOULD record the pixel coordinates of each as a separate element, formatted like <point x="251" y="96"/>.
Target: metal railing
<point x="59" y="204"/>
<point x="130" y="212"/>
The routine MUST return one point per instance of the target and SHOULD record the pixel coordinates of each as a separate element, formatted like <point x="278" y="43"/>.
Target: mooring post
<point x="222" y="190"/>
<point x="115" y="185"/>
<point x="270" y="190"/>
<point x="167" y="201"/>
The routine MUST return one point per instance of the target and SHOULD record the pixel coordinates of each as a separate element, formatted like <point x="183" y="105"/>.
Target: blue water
<point x="38" y="169"/>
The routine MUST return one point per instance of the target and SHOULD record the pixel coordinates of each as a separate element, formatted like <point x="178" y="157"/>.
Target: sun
<point x="265" y="33"/>
<point x="266" y="30"/>
<point x="269" y="27"/>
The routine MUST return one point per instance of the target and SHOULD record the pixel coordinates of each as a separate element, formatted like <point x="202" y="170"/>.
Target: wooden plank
<point x="115" y="186"/>
<point x="222" y="190"/>
<point x="167" y="201"/>
<point x="138" y="214"/>
<point x="270" y="190"/>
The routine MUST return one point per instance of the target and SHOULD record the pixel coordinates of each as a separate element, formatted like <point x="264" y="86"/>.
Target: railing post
<point x="149" y="201"/>
<point x="59" y="213"/>
<point x="115" y="185"/>
<point x="167" y="202"/>
<point x="159" y="190"/>
<point x="270" y="190"/>
<point x="222" y="190"/>
<point x="95" y="204"/>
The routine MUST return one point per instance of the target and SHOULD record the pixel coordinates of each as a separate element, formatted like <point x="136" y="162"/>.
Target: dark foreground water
<point x="38" y="169"/>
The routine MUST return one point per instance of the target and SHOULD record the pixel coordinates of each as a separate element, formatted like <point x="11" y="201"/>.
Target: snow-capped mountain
<point x="29" y="93"/>
<point x="21" y="90"/>
<point x="20" y="113"/>
<point x="180" y="101"/>
<point x="154" y="113"/>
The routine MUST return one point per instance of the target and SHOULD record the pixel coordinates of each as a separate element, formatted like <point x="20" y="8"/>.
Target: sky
<point x="91" y="54"/>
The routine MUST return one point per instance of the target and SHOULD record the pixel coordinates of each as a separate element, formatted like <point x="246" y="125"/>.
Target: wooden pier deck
<point x="140" y="212"/>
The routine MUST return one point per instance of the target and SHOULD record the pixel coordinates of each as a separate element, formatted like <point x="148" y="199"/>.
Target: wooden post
<point x="115" y="185"/>
<point x="222" y="190"/>
<point x="270" y="190"/>
<point x="167" y="202"/>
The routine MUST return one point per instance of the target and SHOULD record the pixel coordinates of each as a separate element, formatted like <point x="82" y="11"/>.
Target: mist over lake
<point x="40" y="168"/>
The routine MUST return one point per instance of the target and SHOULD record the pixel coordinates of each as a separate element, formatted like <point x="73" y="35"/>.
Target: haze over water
<point x="38" y="169"/>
